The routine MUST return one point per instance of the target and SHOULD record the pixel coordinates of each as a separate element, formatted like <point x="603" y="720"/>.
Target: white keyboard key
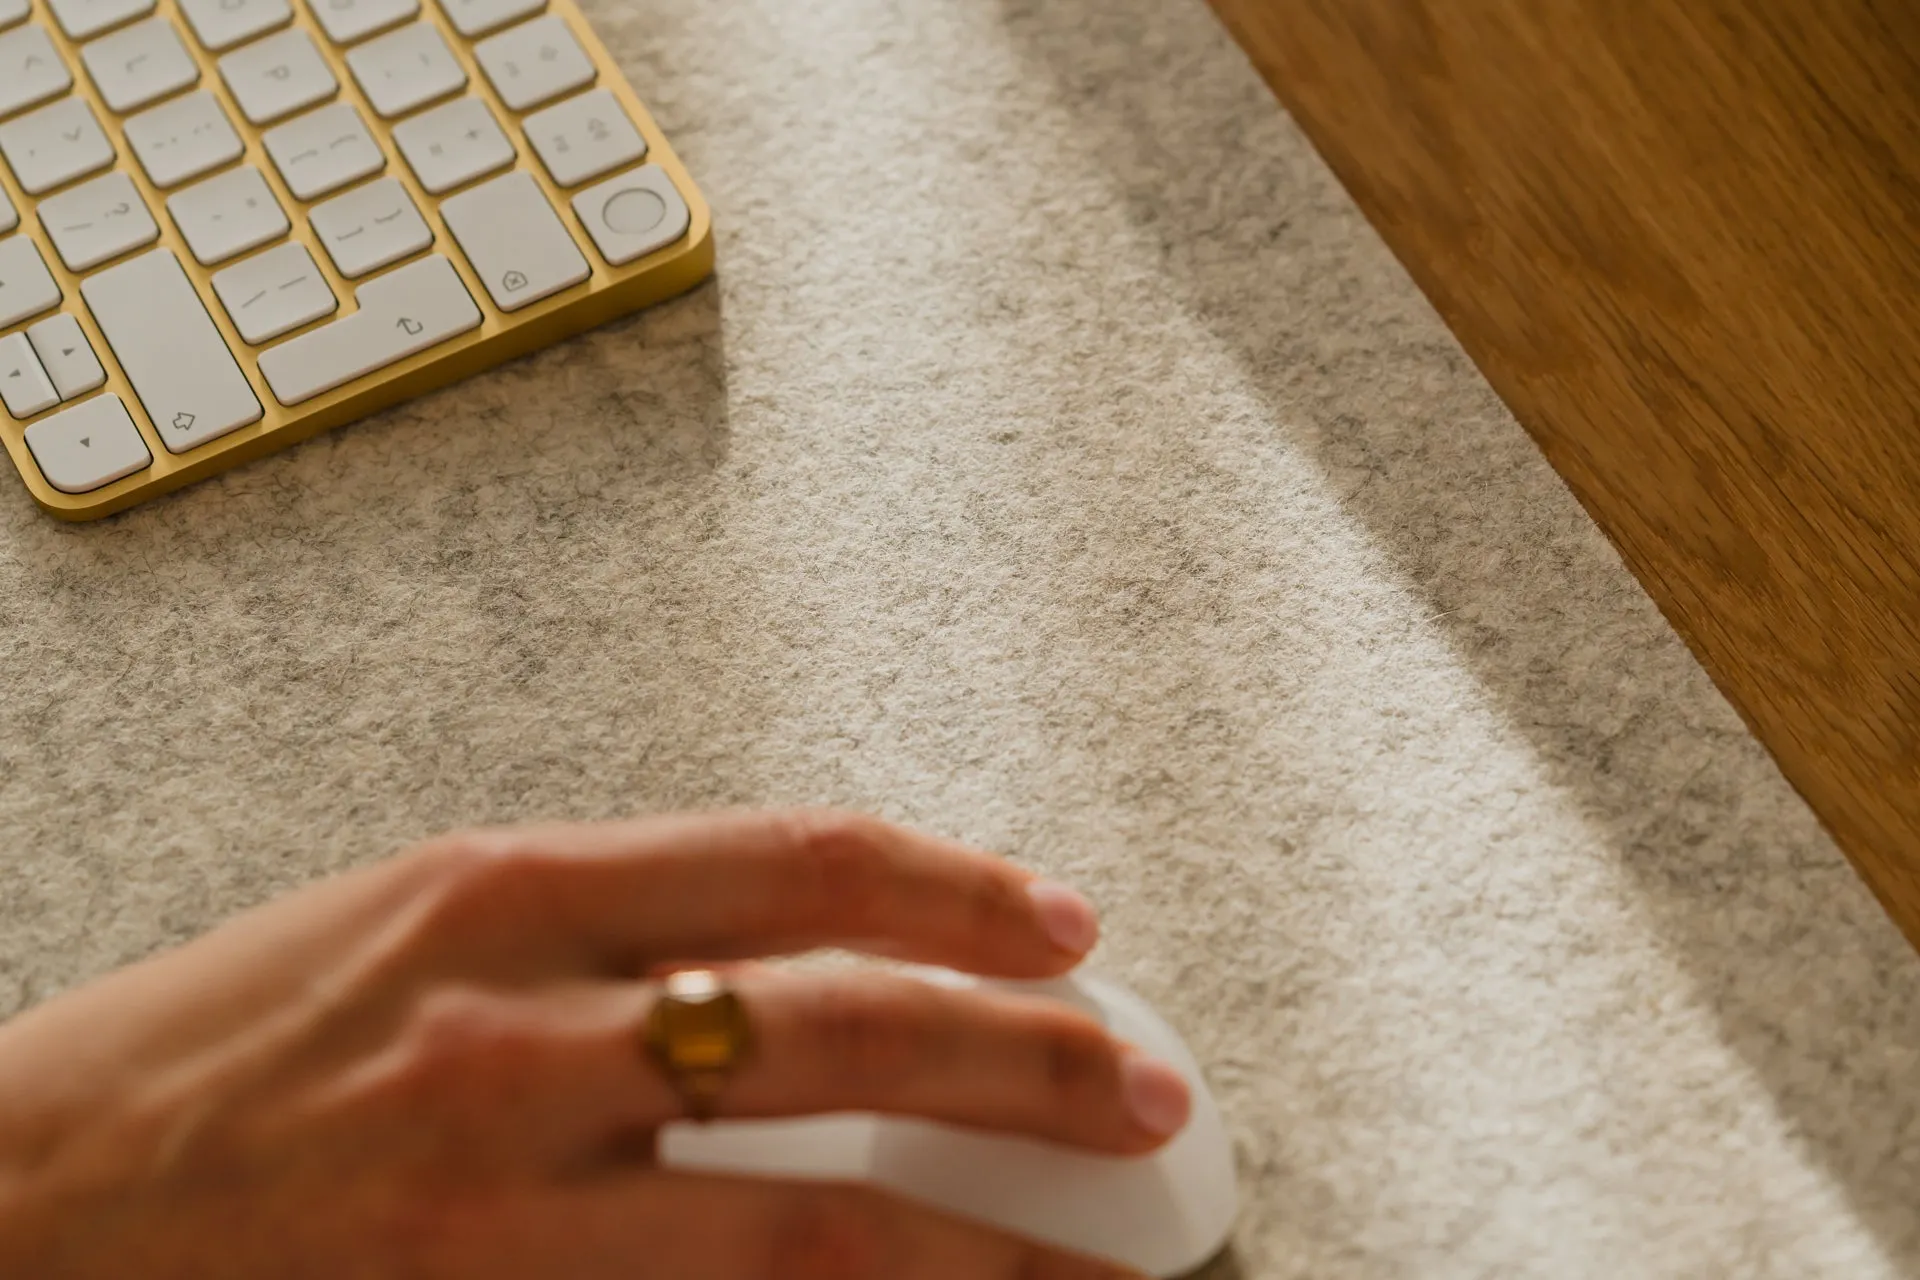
<point x="633" y="215"/>
<point x="12" y="11"/>
<point x="24" y="385"/>
<point x="401" y="314"/>
<point x="515" y="240"/>
<point x="31" y="69"/>
<point x="474" y="18"/>
<point x="345" y="21"/>
<point x="453" y="144"/>
<point x="82" y="19"/>
<point x="585" y="137"/>
<point x="324" y="151"/>
<point x="274" y="293"/>
<point x="222" y="24"/>
<point x="67" y="356"/>
<point x="183" y="139"/>
<point x="98" y="220"/>
<point x="9" y="216"/>
<point x="139" y="64"/>
<point x="55" y="145"/>
<point x="407" y="69"/>
<point x="171" y="350"/>
<point x="370" y="228"/>
<point x="534" y="62"/>
<point x="89" y="446"/>
<point x="278" y="76"/>
<point x="26" y="286"/>
<point x="228" y="215"/>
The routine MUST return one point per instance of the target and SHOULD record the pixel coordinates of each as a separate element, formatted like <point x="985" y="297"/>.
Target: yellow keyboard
<point x="226" y="225"/>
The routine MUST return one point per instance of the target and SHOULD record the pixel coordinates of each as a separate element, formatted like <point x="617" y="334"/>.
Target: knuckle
<point x="454" y="854"/>
<point x="874" y="1035"/>
<point x="1081" y="1074"/>
<point x="453" y="1022"/>
<point x="994" y="903"/>
<point x="464" y="1046"/>
<point x="839" y="859"/>
<point x="831" y="1234"/>
<point x="480" y="879"/>
<point x="811" y="829"/>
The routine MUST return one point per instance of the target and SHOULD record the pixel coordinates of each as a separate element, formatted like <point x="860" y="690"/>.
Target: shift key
<point x="179" y="365"/>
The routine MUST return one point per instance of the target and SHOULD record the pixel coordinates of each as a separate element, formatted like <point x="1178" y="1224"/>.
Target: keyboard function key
<point x="12" y="11"/>
<point x="401" y="314"/>
<point x="228" y="215"/>
<point x="183" y="139"/>
<point x="31" y="70"/>
<point x="278" y="76"/>
<point x="345" y="21"/>
<point x="27" y="288"/>
<point x="534" y="62"/>
<point x="170" y="350"/>
<point x="406" y="69"/>
<point x="324" y="151"/>
<point x="222" y="24"/>
<point x="83" y="19"/>
<point x="89" y="446"/>
<point x="274" y="293"/>
<point x="516" y="242"/>
<point x="24" y="385"/>
<point x="453" y="144"/>
<point x="67" y="356"/>
<point x="633" y="215"/>
<point x="140" y="64"/>
<point x="474" y="18"/>
<point x="370" y="227"/>
<point x="54" y="145"/>
<point x="585" y="137"/>
<point x="98" y="221"/>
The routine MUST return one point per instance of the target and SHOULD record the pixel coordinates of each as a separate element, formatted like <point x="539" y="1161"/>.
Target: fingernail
<point x="1068" y="918"/>
<point x="1156" y="1095"/>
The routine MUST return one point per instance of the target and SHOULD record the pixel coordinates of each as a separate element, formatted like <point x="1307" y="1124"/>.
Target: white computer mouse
<point x="1164" y="1214"/>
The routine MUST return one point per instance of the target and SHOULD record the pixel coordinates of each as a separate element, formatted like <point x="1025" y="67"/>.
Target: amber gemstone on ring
<point x="698" y="1025"/>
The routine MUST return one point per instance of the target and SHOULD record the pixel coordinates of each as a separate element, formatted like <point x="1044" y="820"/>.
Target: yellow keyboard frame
<point x="608" y="293"/>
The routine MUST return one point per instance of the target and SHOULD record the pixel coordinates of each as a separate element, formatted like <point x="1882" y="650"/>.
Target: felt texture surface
<point x="1060" y="462"/>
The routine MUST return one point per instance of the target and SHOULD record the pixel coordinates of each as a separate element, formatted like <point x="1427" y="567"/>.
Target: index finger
<point x="626" y="896"/>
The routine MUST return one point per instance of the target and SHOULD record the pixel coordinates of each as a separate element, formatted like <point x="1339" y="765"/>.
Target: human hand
<point x="433" y="1067"/>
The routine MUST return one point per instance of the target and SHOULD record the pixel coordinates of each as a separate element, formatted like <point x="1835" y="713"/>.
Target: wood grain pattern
<point x="1683" y="243"/>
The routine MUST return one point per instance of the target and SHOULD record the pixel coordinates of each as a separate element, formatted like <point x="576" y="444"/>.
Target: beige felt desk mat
<point x="1060" y="462"/>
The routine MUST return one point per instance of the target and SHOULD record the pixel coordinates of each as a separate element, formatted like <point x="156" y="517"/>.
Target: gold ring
<point x="698" y="1033"/>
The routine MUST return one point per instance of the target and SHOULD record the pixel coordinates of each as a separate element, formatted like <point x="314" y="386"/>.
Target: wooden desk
<point x="1682" y="241"/>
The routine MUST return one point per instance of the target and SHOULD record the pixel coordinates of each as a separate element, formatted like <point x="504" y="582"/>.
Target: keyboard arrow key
<point x="84" y="468"/>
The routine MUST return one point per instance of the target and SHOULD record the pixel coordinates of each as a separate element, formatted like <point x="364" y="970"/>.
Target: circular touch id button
<point x="634" y="212"/>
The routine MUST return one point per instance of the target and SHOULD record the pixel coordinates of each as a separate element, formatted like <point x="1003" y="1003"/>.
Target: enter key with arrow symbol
<point x="402" y="313"/>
